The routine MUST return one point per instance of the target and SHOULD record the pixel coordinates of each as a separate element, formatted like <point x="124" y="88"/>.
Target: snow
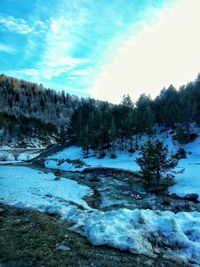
<point x="144" y="231"/>
<point x="187" y="173"/>
<point x="187" y="181"/>
<point x="124" y="160"/>
<point x="35" y="189"/>
<point x="17" y="155"/>
<point x="138" y="231"/>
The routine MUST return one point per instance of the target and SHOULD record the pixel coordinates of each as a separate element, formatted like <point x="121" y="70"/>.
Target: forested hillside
<point x="28" y="110"/>
<point x="19" y="97"/>
<point x="107" y="126"/>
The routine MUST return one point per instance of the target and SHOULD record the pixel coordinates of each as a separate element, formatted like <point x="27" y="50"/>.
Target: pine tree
<point x="146" y="114"/>
<point x="154" y="162"/>
<point x="112" y="138"/>
<point x="127" y="101"/>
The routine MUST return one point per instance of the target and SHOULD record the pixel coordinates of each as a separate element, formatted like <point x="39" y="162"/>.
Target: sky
<point x="101" y="48"/>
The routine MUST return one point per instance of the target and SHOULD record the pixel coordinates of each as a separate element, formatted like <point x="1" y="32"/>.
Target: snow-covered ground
<point x="124" y="160"/>
<point x="10" y="155"/>
<point x="187" y="173"/>
<point x="139" y="231"/>
<point x="27" y="187"/>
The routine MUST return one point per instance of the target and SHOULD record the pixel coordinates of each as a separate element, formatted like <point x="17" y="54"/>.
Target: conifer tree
<point x="154" y="162"/>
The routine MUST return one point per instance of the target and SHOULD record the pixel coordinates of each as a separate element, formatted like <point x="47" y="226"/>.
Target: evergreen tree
<point x="112" y="135"/>
<point x="187" y="110"/>
<point x="154" y="162"/>
<point x="145" y="114"/>
<point x="127" y="101"/>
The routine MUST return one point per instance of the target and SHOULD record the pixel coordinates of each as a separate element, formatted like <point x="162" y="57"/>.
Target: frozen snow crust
<point x="144" y="231"/>
<point x="138" y="231"/>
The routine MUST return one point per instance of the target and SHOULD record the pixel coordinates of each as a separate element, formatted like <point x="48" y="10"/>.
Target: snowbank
<point x="144" y="231"/>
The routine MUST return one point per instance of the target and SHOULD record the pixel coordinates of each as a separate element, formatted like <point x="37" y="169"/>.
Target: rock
<point x="18" y="222"/>
<point x="53" y="211"/>
<point x="1" y="210"/>
<point x="127" y="192"/>
<point x="136" y="196"/>
<point x="63" y="246"/>
<point x="166" y="201"/>
<point x="57" y="173"/>
<point x="191" y="197"/>
<point x="94" y="179"/>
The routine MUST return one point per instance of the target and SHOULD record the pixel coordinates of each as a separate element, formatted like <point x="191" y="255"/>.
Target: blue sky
<point x="74" y="44"/>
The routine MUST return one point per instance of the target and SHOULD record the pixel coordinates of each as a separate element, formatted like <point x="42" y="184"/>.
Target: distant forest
<point x="28" y="109"/>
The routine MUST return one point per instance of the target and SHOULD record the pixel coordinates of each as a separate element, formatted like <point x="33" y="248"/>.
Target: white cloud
<point x="37" y="74"/>
<point x="7" y="49"/>
<point x="81" y="72"/>
<point x="60" y="39"/>
<point x="20" y="26"/>
<point x="13" y="24"/>
<point x="164" y="52"/>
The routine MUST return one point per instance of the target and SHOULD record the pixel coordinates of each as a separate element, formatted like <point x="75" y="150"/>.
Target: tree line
<point x="17" y="129"/>
<point x="96" y="124"/>
<point x="103" y="127"/>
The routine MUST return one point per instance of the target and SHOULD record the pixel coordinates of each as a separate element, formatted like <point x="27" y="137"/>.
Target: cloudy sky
<point x="101" y="48"/>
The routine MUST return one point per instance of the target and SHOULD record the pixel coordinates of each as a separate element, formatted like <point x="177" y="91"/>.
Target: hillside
<point x="31" y="113"/>
<point x="22" y="98"/>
